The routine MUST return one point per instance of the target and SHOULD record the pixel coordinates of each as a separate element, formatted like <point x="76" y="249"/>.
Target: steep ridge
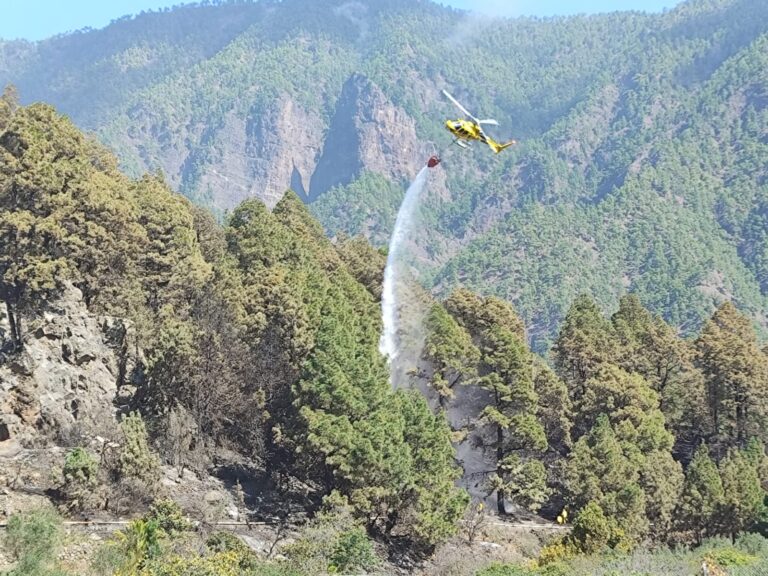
<point x="368" y="134"/>
<point x="617" y="112"/>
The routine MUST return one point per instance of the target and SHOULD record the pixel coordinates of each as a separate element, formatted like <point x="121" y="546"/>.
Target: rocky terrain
<point x="69" y="376"/>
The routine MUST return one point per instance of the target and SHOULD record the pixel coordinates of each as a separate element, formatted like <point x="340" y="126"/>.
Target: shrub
<point x="80" y="467"/>
<point x="593" y="531"/>
<point x="33" y="538"/>
<point x="506" y="570"/>
<point x="353" y="552"/>
<point x="557" y="552"/>
<point x="728" y="557"/>
<point x="220" y="564"/>
<point x="108" y="559"/>
<point x="225" y="542"/>
<point x="80" y="477"/>
<point x="140" y="542"/>
<point x="332" y="541"/>
<point x="558" y="568"/>
<point x="136" y="459"/>
<point x="754" y="544"/>
<point x="169" y="517"/>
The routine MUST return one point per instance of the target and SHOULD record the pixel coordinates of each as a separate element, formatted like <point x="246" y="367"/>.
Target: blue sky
<point x="37" y="19"/>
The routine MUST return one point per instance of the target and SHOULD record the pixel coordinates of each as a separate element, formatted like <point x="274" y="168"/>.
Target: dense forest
<point x="259" y="338"/>
<point x="641" y="167"/>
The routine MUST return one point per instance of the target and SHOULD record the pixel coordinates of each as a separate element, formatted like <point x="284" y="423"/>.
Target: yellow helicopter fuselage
<point x="465" y="130"/>
<point x="468" y="130"/>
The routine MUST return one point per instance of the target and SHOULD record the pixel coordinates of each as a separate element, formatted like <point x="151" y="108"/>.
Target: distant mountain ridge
<point x="644" y="137"/>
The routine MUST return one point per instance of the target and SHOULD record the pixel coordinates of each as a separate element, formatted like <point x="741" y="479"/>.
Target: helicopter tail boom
<point x="496" y="147"/>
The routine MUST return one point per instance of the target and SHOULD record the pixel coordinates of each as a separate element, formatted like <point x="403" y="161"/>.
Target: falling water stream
<point x="404" y="310"/>
<point x="392" y="343"/>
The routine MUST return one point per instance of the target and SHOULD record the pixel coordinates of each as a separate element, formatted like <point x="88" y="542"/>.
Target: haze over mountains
<point x="644" y="137"/>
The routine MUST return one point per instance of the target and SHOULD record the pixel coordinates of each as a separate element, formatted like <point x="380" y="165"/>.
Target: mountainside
<point x="644" y="137"/>
<point x="156" y="362"/>
<point x="251" y="346"/>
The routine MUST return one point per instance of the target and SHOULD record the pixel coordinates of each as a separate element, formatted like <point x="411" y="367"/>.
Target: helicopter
<point x="469" y="129"/>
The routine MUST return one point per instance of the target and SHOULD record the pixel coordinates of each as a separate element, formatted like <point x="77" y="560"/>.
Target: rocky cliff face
<point x="368" y="133"/>
<point x="262" y="152"/>
<point x="262" y="155"/>
<point x="288" y="146"/>
<point x="66" y="379"/>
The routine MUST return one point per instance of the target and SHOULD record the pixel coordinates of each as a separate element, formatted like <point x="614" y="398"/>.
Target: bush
<point x="136" y="459"/>
<point x="557" y="552"/>
<point x="555" y="569"/>
<point x="80" y="467"/>
<point x="225" y="542"/>
<point x="593" y="532"/>
<point x="33" y="538"/>
<point x="754" y="544"/>
<point x="332" y="542"/>
<point x="220" y="564"/>
<point x="140" y="543"/>
<point x="506" y="570"/>
<point x="80" y="477"/>
<point x="169" y="517"/>
<point x="728" y="557"/>
<point x="108" y="560"/>
<point x="353" y="552"/>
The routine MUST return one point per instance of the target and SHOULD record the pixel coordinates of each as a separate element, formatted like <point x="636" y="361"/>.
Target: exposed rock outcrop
<point x="264" y="154"/>
<point x="368" y="133"/>
<point x="288" y="146"/>
<point x="264" y="150"/>
<point x="66" y="378"/>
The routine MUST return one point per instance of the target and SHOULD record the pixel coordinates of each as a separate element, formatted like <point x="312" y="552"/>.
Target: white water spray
<point x="390" y="344"/>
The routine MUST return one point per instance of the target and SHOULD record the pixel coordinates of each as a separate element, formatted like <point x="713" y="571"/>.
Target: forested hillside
<point x="256" y="338"/>
<point x="250" y="349"/>
<point x="641" y="168"/>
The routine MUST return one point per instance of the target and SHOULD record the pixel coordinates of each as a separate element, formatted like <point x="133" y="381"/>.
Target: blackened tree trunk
<point x="499" y="457"/>
<point x="15" y="322"/>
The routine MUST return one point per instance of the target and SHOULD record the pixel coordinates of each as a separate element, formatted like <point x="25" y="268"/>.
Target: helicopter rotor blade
<point x="489" y="122"/>
<point x="459" y="106"/>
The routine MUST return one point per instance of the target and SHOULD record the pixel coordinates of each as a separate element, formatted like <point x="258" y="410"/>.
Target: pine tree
<point x="435" y="505"/>
<point x="364" y="262"/>
<point x="586" y="341"/>
<point x="631" y="406"/>
<point x="651" y="348"/>
<point x="755" y="452"/>
<point x="478" y="315"/>
<point x="32" y="263"/>
<point x="506" y="372"/>
<point x="736" y="374"/>
<point x="9" y="103"/>
<point x="702" y="495"/>
<point x="608" y="471"/>
<point x="450" y="351"/>
<point x="136" y="458"/>
<point x="742" y="503"/>
<point x="171" y="266"/>
<point x="330" y="416"/>
<point x="661" y="479"/>
<point x="597" y="466"/>
<point x="482" y="341"/>
<point x="554" y="407"/>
